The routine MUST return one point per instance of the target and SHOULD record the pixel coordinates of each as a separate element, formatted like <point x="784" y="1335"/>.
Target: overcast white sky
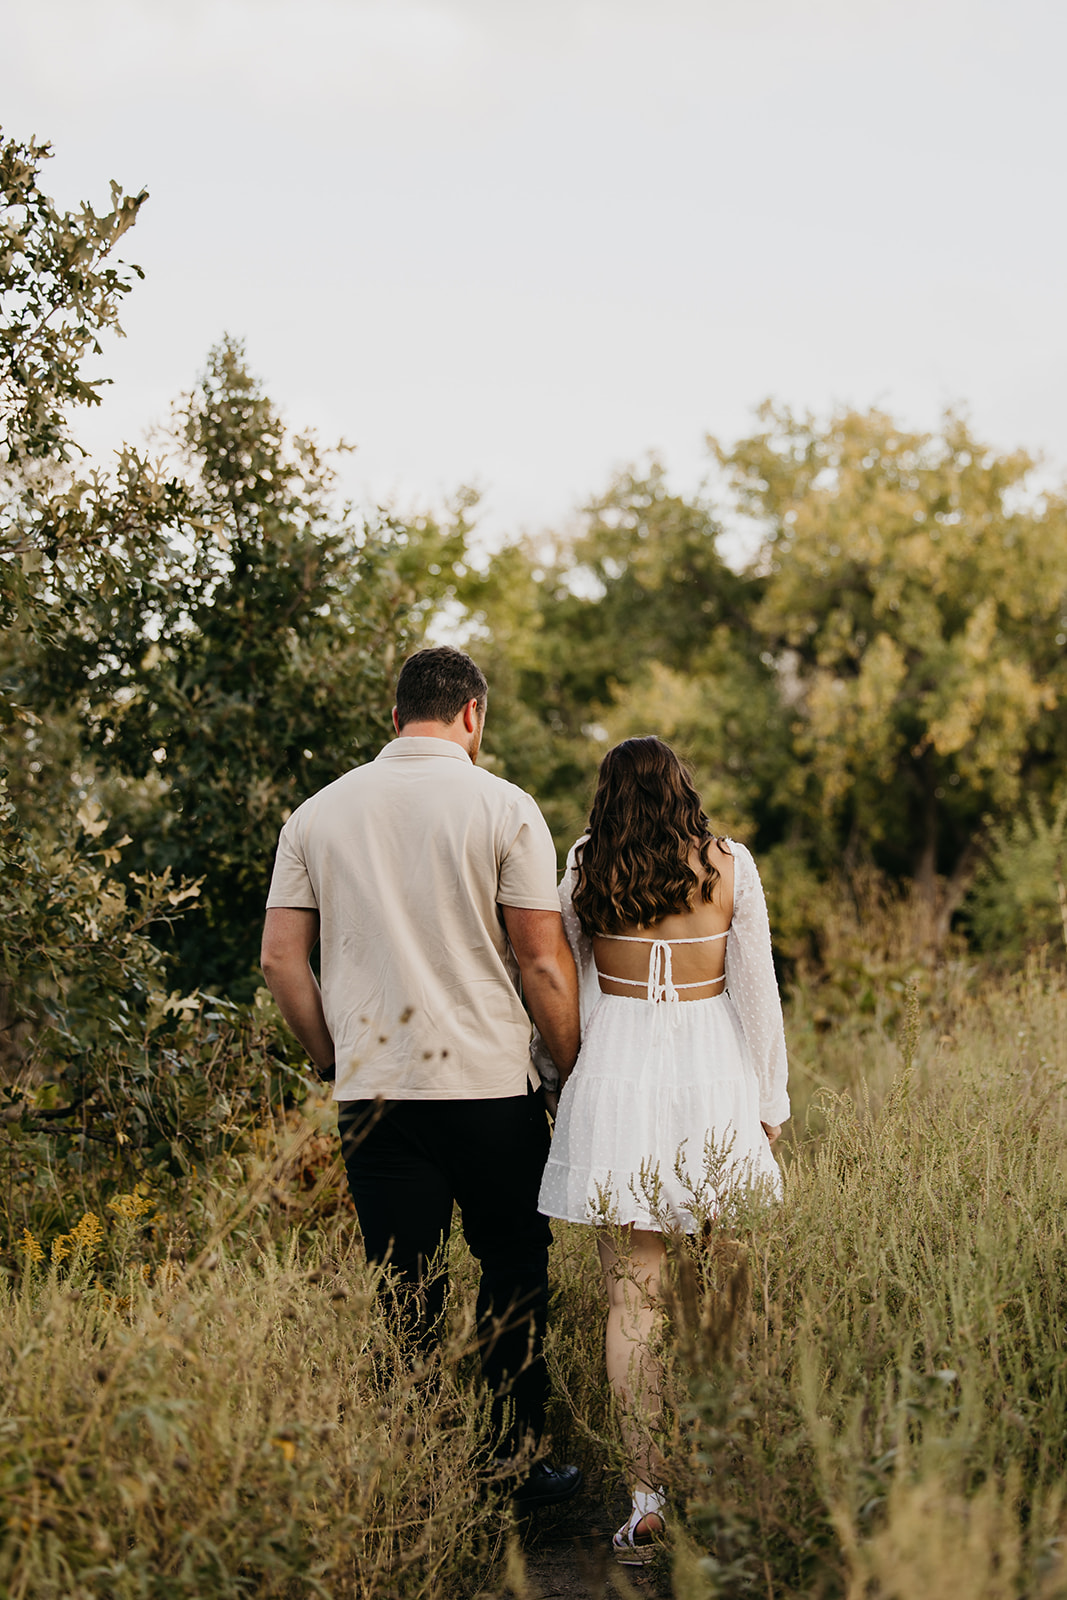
<point x="521" y="244"/>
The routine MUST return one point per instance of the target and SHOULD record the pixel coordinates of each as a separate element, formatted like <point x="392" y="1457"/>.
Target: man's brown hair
<point x="435" y="684"/>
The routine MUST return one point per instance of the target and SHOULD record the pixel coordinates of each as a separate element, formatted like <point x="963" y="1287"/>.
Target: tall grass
<point x="247" y="1426"/>
<point x="866" y="1386"/>
<point x="872" y="1396"/>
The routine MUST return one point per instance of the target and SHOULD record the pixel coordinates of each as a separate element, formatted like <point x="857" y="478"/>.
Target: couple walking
<point x="429" y="886"/>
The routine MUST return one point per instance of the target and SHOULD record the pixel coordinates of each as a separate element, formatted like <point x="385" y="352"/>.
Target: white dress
<point x="661" y="1115"/>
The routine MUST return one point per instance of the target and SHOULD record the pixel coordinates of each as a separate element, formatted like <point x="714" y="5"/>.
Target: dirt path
<point x="567" y="1551"/>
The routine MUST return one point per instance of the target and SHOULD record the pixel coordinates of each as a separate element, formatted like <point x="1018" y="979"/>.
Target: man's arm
<point x="289" y="936"/>
<point x="549" y="980"/>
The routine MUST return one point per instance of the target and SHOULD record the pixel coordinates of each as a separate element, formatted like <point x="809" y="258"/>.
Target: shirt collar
<point x="406" y="745"/>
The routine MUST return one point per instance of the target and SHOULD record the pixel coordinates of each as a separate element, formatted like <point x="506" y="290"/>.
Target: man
<point x="430" y="887"/>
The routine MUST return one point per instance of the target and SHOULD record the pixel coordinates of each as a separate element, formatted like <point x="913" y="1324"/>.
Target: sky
<point x="522" y="245"/>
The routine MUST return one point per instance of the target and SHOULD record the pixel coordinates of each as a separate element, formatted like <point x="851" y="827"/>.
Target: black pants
<point x="407" y="1161"/>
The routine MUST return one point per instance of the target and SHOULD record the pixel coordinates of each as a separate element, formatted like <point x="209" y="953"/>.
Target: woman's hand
<point x="771" y="1131"/>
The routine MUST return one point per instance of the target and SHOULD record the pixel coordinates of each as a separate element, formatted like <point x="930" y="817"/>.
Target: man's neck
<point x="453" y="733"/>
<point x="430" y="730"/>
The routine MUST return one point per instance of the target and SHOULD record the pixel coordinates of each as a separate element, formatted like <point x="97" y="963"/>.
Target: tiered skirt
<point x="659" y="1121"/>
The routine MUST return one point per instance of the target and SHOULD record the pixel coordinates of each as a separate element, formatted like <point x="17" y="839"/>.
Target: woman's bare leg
<point x="632" y="1276"/>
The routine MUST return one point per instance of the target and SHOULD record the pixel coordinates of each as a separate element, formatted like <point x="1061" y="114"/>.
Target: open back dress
<point x="661" y="1117"/>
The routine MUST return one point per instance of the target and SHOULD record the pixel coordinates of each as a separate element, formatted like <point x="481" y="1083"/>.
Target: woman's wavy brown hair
<point x="645" y="819"/>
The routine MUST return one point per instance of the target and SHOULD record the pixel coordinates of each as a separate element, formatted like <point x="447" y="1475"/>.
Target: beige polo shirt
<point x="407" y="861"/>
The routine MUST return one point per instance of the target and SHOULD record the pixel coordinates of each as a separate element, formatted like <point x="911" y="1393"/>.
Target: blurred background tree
<point x="877" y="687"/>
<point x="634" y="624"/>
<point x="915" y="603"/>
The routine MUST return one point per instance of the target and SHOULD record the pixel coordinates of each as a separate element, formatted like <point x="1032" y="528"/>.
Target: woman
<point x="680" y="1088"/>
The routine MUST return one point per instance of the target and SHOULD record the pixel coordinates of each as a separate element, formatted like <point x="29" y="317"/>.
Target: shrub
<point x="1017" y="901"/>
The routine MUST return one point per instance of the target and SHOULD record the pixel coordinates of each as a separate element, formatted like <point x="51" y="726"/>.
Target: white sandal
<point x="634" y="1545"/>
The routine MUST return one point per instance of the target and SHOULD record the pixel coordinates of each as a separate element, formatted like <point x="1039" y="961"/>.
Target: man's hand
<point x="549" y="980"/>
<point x="289" y="936"/>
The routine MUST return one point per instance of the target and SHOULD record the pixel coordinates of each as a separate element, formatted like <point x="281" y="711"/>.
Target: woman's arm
<point x="753" y="988"/>
<point x="588" y="987"/>
<point x="581" y="945"/>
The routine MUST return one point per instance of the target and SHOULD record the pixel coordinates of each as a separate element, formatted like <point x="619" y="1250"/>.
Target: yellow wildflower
<point x="130" y="1207"/>
<point x="88" y="1235"/>
<point x="60" y="1248"/>
<point x="29" y="1246"/>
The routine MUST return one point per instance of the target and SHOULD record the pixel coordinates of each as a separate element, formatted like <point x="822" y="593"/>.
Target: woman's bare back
<point x="697" y="967"/>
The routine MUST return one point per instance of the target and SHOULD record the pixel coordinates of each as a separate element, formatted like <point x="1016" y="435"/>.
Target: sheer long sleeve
<point x="753" y="988"/>
<point x="582" y="950"/>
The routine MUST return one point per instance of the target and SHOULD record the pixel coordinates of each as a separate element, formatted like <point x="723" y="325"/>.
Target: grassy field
<point x="865" y="1388"/>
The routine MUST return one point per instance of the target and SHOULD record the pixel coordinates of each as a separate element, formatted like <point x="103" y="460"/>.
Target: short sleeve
<point x="527" y="869"/>
<point x="290" y="883"/>
<point x="753" y="987"/>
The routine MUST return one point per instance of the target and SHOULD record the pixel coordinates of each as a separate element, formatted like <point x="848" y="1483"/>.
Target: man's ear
<point x="470" y="716"/>
<point x="396" y="720"/>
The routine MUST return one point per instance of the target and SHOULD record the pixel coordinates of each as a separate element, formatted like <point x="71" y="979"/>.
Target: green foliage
<point x="883" y="677"/>
<point x="664" y="588"/>
<point x="63" y="534"/>
<point x="58" y="291"/>
<point x="105" y="1074"/>
<point x="914" y="600"/>
<point x="223" y="633"/>
<point x="634" y="626"/>
<point x="245" y="665"/>
<point x="101" y="1067"/>
<point x="73" y="933"/>
<point x="1018" y="899"/>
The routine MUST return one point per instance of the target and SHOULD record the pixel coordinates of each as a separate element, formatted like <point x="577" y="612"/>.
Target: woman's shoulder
<point x="571" y="855"/>
<point x="743" y="863"/>
<point x="734" y="847"/>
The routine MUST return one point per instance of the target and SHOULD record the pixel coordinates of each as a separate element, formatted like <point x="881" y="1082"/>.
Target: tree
<point x="65" y="531"/>
<point x="665" y="591"/>
<point x="248" y="664"/>
<point x="58" y="292"/>
<point x="77" y="963"/>
<point x="915" y="601"/>
<point x="635" y="625"/>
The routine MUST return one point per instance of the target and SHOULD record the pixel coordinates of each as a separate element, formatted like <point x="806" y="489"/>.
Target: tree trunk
<point x="955" y="888"/>
<point x="926" y="866"/>
<point x="941" y="898"/>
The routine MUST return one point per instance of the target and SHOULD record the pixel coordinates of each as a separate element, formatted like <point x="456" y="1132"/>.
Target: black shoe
<point x="546" y="1486"/>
